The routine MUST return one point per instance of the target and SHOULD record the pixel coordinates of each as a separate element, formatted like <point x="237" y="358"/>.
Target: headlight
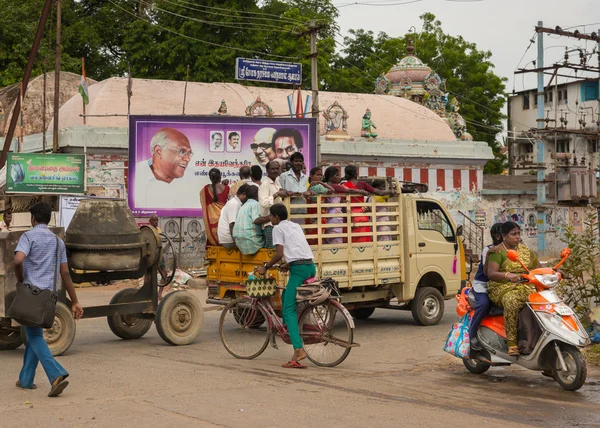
<point x="548" y="280"/>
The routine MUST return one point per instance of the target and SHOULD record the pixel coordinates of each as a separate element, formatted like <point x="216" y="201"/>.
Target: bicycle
<point x="248" y="324"/>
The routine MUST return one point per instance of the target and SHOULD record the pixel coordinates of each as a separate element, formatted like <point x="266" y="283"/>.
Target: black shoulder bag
<point x="35" y="307"/>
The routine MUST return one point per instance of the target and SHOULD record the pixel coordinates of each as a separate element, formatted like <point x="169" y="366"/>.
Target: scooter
<point x="556" y="352"/>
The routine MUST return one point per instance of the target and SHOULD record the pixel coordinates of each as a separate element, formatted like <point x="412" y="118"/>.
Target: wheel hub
<point x="181" y="318"/>
<point x="431" y="306"/>
<point x="53" y="334"/>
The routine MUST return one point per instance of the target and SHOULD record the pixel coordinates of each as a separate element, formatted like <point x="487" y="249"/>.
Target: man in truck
<point x="290" y="243"/>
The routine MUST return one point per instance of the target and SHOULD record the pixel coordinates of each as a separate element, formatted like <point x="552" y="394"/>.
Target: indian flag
<point x="83" y="86"/>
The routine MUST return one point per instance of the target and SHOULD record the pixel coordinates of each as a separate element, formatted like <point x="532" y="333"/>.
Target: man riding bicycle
<point x="290" y="243"/>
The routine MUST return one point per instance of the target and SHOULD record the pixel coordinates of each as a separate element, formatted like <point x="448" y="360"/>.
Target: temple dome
<point x="409" y="76"/>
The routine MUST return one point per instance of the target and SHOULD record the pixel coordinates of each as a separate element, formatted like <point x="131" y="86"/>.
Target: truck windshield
<point x="430" y="216"/>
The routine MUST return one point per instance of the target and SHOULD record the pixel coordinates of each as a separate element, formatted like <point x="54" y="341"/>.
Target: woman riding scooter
<point x="479" y="289"/>
<point x="504" y="275"/>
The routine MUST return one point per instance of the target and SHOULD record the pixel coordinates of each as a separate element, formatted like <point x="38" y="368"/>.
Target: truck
<point x="413" y="258"/>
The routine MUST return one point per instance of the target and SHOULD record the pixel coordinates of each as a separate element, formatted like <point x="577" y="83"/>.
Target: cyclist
<point x="290" y="243"/>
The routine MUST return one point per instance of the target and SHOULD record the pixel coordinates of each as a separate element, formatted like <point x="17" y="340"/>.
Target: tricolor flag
<point x="83" y="86"/>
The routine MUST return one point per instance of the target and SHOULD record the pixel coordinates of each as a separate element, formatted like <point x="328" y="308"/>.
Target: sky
<point x="503" y="27"/>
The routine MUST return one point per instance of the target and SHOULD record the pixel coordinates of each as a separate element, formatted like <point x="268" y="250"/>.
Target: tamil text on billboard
<point x="45" y="173"/>
<point x="170" y="156"/>
<point x="260" y="70"/>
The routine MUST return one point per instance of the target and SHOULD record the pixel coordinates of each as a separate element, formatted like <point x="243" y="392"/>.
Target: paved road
<point x="398" y="377"/>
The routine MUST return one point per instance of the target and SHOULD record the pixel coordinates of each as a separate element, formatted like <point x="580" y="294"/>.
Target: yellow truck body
<point x="414" y="259"/>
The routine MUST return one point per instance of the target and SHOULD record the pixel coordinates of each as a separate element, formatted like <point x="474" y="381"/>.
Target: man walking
<point x="36" y="264"/>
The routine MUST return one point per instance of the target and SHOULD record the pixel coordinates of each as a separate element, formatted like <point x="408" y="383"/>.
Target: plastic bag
<point x="458" y="342"/>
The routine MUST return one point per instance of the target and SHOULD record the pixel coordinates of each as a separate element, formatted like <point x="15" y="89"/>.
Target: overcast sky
<point x="503" y="27"/>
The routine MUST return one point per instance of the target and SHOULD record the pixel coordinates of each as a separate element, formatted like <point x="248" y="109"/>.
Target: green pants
<point x="298" y="274"/>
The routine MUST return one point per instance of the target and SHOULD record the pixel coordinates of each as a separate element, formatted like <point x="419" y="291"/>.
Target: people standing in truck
<point x="247" y="231"/>
<point x="380" y="184"/>
<point x="229" y="215"/>
<point x="295" y="182"/>
<point x="479" y="288"/>
<point x="352" y="182"/>
<point x="270" y="193"/>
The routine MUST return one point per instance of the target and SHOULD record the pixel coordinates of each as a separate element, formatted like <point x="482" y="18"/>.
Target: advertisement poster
<point x="576" y="218"/>
<point x="531" y="225"/>
<point x="45" y="173"/>
<point x="516" y="215"/>
<point x="170" y="157"/>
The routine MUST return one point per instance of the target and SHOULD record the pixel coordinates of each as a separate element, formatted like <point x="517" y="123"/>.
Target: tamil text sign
<point x="268" y="71"/>
<point x="170" y="157"/>
<point x="50" y="173"/>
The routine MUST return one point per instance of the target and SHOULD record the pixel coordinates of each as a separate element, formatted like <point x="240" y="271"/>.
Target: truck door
<point x="437" y="244"/>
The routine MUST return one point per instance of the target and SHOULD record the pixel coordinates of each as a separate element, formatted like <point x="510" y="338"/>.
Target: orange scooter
<point x="556" y="352"/>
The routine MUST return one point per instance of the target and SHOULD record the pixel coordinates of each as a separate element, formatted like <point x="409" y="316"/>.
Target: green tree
<point x="468" y="73"/>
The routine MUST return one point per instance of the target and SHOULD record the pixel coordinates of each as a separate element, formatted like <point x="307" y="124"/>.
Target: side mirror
<point x="512" y="255"/>
<point x="459" y="230"/>
<point x="566" y="252"/>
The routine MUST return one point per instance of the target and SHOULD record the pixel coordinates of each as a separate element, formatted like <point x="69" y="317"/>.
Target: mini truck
<point x="419" y="264"/>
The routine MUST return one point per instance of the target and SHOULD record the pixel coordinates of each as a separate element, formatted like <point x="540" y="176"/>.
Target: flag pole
<point x="82" y="100"/>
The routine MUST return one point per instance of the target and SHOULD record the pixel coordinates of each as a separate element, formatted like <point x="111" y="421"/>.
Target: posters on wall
<point x="170" y="157"/>
<point x="510" y="214"/>
<point x="530" y="226"/>
<point x="45" y="173"/>
<point x="576" y="218"/>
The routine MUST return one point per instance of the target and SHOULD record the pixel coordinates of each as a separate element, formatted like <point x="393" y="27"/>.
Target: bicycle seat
<point x="310" y="280"/>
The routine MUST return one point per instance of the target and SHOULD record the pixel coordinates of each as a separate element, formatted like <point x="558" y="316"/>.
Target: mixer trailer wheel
<point x="179" y="318"/>
<point x="129" y="326"/>
<point x="62" y="333"/>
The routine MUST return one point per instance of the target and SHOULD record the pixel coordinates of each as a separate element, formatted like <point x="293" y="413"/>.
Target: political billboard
<point x="170" y="157"/>
<point x="45" y="173"/>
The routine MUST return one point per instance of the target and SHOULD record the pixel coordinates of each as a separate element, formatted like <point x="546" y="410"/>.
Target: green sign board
<point x="50" y="173"/>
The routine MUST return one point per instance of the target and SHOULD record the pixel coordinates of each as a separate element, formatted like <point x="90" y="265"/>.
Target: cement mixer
<point x="104" y="244"/>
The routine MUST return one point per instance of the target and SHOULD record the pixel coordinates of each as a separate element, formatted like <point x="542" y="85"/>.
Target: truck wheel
<point x="362" y="313"/>
<point x="427" y="307"/>
<point x="129" y="326"/>
<point x="10" y="339"/>
<point x="60" y="337"/>
<point x="179" y="318"/>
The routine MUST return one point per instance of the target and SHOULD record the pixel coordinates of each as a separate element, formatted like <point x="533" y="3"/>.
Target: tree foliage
<point x="468" y="73"/>
<point x="159" y="38"/>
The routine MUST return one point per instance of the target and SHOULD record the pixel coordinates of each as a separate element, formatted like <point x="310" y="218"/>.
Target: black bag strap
<point x="56" y="264"/>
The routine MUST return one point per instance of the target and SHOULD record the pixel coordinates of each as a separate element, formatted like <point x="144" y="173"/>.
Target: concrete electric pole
<point x="55" y="128"/>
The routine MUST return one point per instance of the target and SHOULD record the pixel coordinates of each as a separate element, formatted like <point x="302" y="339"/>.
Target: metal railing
<point x="472" y="235"/>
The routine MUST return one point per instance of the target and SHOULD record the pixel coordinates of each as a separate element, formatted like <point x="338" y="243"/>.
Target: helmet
<point x="314" y="295"/>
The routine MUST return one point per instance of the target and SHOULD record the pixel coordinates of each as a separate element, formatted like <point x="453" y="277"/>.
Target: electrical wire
<point x="200" y="40"/>
<point x="236" y="25"/>
<point x="376" y="4"/>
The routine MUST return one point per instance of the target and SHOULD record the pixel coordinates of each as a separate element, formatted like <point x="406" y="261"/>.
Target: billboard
<point x="45" y="173"/>
<point x="170" y="156"/>
<point x="260" y="70"/>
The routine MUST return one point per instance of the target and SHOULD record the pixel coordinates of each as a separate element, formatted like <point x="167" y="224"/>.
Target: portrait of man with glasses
<point x="156" y="178"/>
<point x="262" y="146"/>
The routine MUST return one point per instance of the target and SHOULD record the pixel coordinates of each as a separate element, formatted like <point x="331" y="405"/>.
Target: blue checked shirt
<point x="290" y="182"/>
<point x="39" y="247"/>
<point x="248" y="236"/>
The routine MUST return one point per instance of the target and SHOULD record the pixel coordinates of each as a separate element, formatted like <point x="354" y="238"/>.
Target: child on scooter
<point x="479" y="289"/>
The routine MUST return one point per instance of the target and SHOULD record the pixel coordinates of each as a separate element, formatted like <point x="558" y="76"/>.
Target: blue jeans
<point x="36" y="351"/>
<point x="481" y="310"/>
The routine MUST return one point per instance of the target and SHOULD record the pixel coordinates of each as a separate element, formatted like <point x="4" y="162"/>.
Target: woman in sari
<point x="333" y="178"/>
<point x="352" y="182"/>
<point x="504" y="275"/>
<point x="213" y="198"/>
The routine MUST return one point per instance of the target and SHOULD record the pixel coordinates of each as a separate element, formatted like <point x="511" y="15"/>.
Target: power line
<point x="206" y="9"/>
<point x="200" y="40"/>
<point x="375" y="4"/>
<point x="236" y="25"/>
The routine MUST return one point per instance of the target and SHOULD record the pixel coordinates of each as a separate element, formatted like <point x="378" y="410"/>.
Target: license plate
<point x="563" y="310"/>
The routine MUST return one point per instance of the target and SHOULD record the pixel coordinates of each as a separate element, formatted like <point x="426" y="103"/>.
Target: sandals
<point x="58" y="386"/>
<point x="33" y="386"/>
<point x="293" y="365"/>
<point x="513" y="351"/>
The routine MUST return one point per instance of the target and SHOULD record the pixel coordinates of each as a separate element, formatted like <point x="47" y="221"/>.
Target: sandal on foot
<point x="293" y="365"/>
<point x="58" y="387"/>
<point x="33" y="386"/>
<point x="513" y="351"/>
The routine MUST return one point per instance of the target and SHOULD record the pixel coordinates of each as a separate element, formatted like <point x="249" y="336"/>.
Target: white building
<point x="571" y="107"/>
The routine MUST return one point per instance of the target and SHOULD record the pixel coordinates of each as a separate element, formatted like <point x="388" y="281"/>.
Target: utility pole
<point x="315" y="83"/>
<point x="541" y="185"/>
<point x="56" y="79"/>
<point x="32" y="54"/>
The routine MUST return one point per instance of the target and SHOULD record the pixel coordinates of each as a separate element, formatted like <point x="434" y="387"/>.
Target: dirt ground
<point x="399" y="376"/>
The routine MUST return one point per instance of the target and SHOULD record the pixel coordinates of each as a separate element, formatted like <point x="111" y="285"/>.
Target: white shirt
<point x="265" y="196"/>
<point x="291" y="236"/>
<point x="228" y="215"/>
<point x="152" y="193"/>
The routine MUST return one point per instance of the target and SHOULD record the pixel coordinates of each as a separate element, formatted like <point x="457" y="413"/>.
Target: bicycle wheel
<point x="239" y="332"/>
<point x="327" y="333"/>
